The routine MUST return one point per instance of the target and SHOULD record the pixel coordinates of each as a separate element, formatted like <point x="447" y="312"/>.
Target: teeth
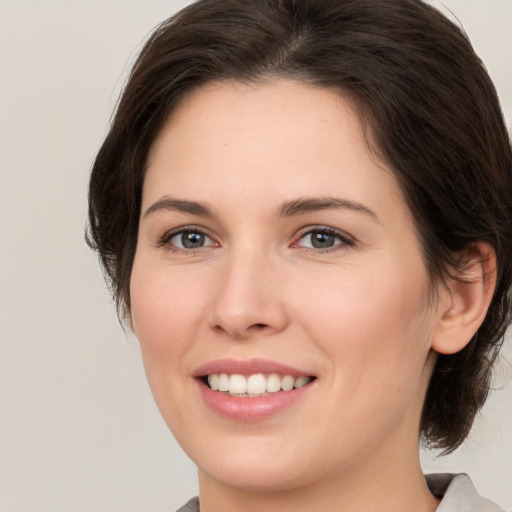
<point x="213" y="381"/>
<point x="223" y="382"/>
<point x="255" y="385"/>
<point x="287" y="383"/>
<point x="273" y="383"/>
<point x="237" y="384"/>
<point x="301" y="381"/>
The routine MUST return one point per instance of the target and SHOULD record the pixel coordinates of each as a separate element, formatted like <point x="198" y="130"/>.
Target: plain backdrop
<point x="78" y="427"/>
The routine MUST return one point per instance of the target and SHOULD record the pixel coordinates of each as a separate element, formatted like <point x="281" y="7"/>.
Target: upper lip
<point x="248" y="367"/>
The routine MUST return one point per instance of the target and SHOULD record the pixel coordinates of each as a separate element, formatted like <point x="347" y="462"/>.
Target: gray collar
<point x="458" y="494"/>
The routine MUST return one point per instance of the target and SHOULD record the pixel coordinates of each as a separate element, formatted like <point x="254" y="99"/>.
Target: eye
<point x="187" y="239"/>
<point x="323" y="238"/>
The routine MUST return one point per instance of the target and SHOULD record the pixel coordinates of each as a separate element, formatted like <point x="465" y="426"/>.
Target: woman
<point x="303" y="208"/>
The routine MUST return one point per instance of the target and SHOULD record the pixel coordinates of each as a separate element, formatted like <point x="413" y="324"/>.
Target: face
<point x="277" y="259"/>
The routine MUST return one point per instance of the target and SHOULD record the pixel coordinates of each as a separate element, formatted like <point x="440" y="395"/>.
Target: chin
<point x="265" y="465"/>
<point x="262" y="476"/>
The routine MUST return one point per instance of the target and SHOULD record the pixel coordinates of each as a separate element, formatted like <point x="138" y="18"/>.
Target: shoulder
<point x="458" y="494"/>
<point x="190" y="506"/>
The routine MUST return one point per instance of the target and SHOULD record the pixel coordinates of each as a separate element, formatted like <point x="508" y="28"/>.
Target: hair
<point x="422" y="93"/>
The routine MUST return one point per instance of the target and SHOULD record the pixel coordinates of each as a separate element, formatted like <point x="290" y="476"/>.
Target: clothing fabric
<point x="457" y="494"/>
<point x="190" y="506"/>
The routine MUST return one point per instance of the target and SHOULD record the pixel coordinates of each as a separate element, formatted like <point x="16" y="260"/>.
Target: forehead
<point x="282" y="139"/>
<point x="249" y="112"/>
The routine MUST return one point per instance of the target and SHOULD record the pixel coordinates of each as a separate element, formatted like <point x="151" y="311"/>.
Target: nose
<point x="248" y="300"/>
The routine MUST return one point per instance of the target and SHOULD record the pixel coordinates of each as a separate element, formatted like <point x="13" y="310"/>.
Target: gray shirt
<point x="457" y="494"/>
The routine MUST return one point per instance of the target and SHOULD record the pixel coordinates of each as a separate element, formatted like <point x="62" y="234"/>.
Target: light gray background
<point x="78" y="428"/>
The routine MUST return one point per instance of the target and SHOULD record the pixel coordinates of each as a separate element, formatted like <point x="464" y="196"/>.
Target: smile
<point x="252" y="390"/>
<point x="256" y="385"/>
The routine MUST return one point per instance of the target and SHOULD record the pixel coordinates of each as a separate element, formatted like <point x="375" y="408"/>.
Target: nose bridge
<point x="247" y="301"/>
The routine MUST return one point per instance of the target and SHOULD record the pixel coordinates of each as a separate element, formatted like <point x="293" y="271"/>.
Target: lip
<point x="248" y="367"/>
<point x="250" y="409"/>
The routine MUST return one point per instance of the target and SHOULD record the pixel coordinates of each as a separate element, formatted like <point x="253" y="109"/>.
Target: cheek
<point x="159" y="315"/>
<point x="377" y="336"/>
<point x="162" y="321"/>
<point x="163" y="306"/>
<point x="376" y="327"/>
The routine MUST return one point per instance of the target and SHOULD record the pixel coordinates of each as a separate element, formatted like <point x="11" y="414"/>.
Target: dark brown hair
<point x="428" y="104"/>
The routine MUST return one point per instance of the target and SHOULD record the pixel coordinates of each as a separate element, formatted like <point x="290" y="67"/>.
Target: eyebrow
<point x="303" y="206"/>
<point x="180" y="205"/>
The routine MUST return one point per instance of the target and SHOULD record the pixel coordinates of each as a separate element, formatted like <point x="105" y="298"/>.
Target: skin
<point x="358" y="316"/>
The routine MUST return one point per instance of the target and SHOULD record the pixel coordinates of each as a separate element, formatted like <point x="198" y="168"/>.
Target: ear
<point x="464" y="300"/>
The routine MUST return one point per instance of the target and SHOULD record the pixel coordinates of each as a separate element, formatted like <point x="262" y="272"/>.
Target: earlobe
<point x="464" y="300"/>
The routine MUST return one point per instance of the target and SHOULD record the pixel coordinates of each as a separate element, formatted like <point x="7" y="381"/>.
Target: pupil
<point x="192" y="240"/>
<point x="322" y="240"/>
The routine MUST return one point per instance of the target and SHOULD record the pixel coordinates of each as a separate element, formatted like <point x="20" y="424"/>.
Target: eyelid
<point x="346" y="239"/>
<point x="163" y="240"/>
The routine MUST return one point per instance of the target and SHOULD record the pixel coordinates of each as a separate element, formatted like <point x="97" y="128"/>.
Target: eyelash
<point x="164" y="240"/>
<point x="344" y="240"/>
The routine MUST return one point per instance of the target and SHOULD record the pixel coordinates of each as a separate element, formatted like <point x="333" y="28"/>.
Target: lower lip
<point x="251" y="409"/>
